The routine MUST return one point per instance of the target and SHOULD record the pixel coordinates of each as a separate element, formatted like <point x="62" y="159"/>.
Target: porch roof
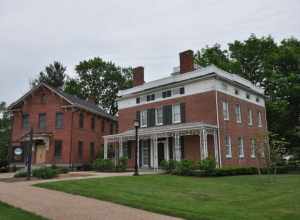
<point x="162" y="131"/>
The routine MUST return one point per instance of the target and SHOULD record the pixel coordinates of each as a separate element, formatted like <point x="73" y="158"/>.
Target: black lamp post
<point x="136" y="125"/>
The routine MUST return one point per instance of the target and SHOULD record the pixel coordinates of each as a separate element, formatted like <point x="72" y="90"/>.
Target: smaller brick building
<point x="66" y="130"/>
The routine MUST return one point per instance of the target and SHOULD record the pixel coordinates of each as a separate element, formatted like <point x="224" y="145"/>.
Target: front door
<point x="40" y="154"/>
<point x="160" y="152"/>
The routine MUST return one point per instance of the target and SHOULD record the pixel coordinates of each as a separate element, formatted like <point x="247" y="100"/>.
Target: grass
<point x="239" y="197"/>
<point x="8" y="212"/>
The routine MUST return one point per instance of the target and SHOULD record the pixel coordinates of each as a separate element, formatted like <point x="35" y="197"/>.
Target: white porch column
<point x="177" y="148"/>
<point x="166" y="150"/>
<point x="120" y="147"/>
<point x="151" y="152"/>
<point x="105" y="148"/>
<point x="216" y="148"/>
<point x="204" y="139"/>
<point x="138" y="152"/>
<point x="155" y="156"/>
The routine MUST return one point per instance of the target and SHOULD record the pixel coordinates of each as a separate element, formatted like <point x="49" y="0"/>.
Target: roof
<point x="71" y="99"/>
<point x="198" y="73"/>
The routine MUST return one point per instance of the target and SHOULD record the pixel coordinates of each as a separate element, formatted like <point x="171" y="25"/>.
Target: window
<point x="182" y="90"/>
<point x="92" y="150"/>
<point x="228" y="147"/>
<point x="166" y="94"/>
<point x="57" y="149"/>
<point x="236" y="91"/>
<point x="238" y="114"/>
<point x="59" y="120"/>
<point x="138" y="100"/>
<point x="42" y="120"/>
<point x="176" y="116"/>
<point x="81" y="120"/>
<point x="159" y="116"/>
<point x="241" y="147"/>
<point x="127" y="150"/>
<point x="257" y="99"/>
<point x="259" y="119"/>
<point x="150" y="97"/>
<point x="253" y="148"/>
<point x="25" y="121"/>
<point x="225" y="111"/>
<point x="248" y="96"/>
<point x="143" y="118"/>
<point x="250" y="118"/>
<point x="93" y="120"/>
<point x="80" y="150"/>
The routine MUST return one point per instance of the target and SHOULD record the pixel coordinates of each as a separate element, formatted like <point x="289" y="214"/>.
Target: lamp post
<point x="136" y="125"/>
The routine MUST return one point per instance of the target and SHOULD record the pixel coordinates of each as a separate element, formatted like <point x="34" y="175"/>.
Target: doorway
<point x="40" y="157"/>
<point x="160" y="152"/>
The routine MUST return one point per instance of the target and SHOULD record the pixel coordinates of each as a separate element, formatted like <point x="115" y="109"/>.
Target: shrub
<point x="207" y="165"/>
<point x="44" y="173"/>
<point x="20" y="174"/>
<point x="168" y="166"/>
<point x="103" y="165"/>
<point x="184" y="167"/>
<point x="86" y="167"/>
<point x="122" y="164"/>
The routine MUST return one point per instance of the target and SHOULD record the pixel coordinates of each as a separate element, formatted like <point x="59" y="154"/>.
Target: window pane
<point x="228" y="146"/>
<point x="250" y="118"/>
<point x="144" y="118"/>
<point x="253" y="148"/>
<point x="259" y="120"/>
<point x="42" y="120"/>
<point x="241" y="147"/>
<point x="57" y="149"/>
<point x="176" y="113"/>
<point x="25" y="120"/>
<point x="159" y="116"/>
<point x="225" y="111"/>
<point x="59" y="120"/>
<point x="238" y="113"/>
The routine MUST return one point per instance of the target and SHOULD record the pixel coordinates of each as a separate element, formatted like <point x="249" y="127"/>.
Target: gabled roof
<point x="71" y="99"/>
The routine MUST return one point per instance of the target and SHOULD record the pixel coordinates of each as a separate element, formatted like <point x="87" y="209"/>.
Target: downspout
<point x="218" y="127"/>
<point x="71" y="141"/>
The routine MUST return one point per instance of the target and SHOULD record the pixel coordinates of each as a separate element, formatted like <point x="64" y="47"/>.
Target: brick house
<point x="195" y="113"/>
<point x="66" y="130"/>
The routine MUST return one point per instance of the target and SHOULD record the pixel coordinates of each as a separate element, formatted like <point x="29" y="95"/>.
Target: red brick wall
<point x="69" y="135"/>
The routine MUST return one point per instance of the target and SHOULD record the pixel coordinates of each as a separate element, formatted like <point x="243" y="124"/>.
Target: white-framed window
<point x="225" y="110"/>
<point x="259" y="119"/>
<point x="159" y="116"/>
<point x="241" y="147"/>
<point x="250" y="117"/>
<point x="227" y="142"/>
<point x="143" y="118"/>
<point x="238" y="114"/>
<point x="253" y="148"/>
<point x="176" y="116"/>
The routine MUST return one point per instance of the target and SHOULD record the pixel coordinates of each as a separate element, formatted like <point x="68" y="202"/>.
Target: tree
<point x="102" y="80"/>
<point x="273" y="66"/>
<point x="53" y="75"/>
<point x="4" y="132"/>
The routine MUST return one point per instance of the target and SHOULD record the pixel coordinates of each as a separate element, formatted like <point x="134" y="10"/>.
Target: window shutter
<point x="182" y="112"/>
<point x="151" y="117"/>
<point x="167" y="114"/>
<point x="138" y="114"/>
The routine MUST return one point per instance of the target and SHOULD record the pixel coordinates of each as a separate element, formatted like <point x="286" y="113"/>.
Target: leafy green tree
<point x="102" y="80"/>
<point x="53" y="75"/>
<point x="4" y="132"/>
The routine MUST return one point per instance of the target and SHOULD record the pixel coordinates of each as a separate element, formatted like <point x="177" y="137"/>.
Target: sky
<point x="150" y="33"/>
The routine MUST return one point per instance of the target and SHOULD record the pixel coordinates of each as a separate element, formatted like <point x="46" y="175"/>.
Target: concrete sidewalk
<point x="62" y="206"/>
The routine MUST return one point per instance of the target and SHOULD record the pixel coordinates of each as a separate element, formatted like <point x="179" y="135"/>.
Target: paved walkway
<point x="62" y="206"/>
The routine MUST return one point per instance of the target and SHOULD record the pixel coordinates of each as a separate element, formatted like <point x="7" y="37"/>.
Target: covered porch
<point x="195" y="141"/>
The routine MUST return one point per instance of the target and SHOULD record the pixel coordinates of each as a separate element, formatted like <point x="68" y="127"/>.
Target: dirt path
<point x="62" y="206"/>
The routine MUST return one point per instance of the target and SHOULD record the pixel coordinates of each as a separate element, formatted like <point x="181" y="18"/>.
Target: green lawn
<point x="240" y="197"/>
<point x="8" y="212"/>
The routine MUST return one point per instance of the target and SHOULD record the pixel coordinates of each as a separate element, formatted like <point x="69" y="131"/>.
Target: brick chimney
<point x="186" y="61"/>
<point x="138" y="76"/>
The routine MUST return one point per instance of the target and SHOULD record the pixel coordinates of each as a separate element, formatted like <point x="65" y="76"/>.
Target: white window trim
<point x="156" y="116"/>
<point x="238" y="114"/>
<point x="226" y="117"/>
<point x="241" y="148"/>
<point x="250" y="117"/>
<point x="141" y="119"/>
<point x="173" y="113"/>
<point x="259" y="120"/>
<point x="229" y="147"/>
<point x="253" y="148"/>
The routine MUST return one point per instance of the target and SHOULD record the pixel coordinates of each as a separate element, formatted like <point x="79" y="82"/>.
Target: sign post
<point x="29" y="153"/>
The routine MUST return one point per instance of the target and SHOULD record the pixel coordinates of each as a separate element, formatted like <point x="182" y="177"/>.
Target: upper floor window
<point x="42" y="120"/>
<point x="241" y="147"/>
<point x="57" y="149"/>
<point x="238" y="114"/>
<point x="166" y="94"/>
<point x="150" y="97"/>
<point x="181" y="91"/>
<point x="228" y="146"/>
<point x="25" y="121"/>
<point x="59" y="120"/>
<point x="159" y="116"/>
<point x="143" y="119"/>
<point x="225" y="111"/>
<point x="176" y="116"/>
<point x="250" y="117"/>
<point x="247" y="95"/>
<point x="138" y="100"/>
<point x="253" y="147"/>
<point x="93" y="122"/>
<point x="236" y="91"/>
<point x="81" y="120"/>
<point x="259" y="119"/>
<point x="257" y="99"/>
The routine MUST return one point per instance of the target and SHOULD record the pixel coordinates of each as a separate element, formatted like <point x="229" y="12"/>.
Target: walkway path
<point x="62" y="206"/>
